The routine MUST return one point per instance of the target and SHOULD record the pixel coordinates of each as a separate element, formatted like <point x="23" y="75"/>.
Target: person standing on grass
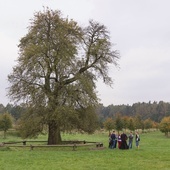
<point x="119" y="140"/>
<point x="110" y="141"/>
<point x="116" y="138"/>
<point x="130" y="140"/>
<point x="137" y="138"/>
<point x="123" y="143"/>
<point x="113" y="138"/>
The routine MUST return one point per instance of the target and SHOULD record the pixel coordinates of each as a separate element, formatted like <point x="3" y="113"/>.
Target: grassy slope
<point x="154" y="153"/>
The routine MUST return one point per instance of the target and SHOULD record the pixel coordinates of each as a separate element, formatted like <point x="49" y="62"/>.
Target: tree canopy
<point x="58" y="66"/>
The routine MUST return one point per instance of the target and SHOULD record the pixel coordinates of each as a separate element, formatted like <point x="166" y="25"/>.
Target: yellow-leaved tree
<point x="165" y="125"/>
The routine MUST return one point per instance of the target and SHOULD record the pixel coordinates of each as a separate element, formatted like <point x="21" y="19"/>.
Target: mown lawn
<point x="153" y="154"/>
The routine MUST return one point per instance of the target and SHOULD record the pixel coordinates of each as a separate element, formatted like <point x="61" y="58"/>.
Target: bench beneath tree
<point x="71" y="144"/>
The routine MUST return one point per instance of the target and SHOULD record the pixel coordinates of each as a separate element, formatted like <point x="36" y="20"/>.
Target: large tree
<point x="58" y="65"/>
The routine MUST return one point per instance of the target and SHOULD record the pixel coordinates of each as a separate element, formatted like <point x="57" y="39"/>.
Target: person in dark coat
<point x="110" y="141"/>
<point x="113" y="139"/>
<point x="124" y="143"/>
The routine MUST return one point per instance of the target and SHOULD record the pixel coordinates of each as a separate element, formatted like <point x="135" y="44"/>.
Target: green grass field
<point x="153" y="154"/>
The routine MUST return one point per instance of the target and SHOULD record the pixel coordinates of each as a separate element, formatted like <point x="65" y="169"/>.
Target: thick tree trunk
<point x="54" y="136"/>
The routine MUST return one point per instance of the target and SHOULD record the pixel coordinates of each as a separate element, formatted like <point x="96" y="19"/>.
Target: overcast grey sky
<point x="140" y="30"/>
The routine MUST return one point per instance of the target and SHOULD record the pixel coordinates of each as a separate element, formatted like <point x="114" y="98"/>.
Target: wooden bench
<point x="23" y="142"/>
<point x="8" y="143"/>
<point x="99" y="145"/>
<point x="73" y="146"/>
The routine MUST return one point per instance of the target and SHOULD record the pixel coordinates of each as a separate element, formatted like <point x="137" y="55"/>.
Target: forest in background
<point x="154" y="111"/>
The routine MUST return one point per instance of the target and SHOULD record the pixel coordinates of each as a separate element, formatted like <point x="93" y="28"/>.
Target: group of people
<point x="124" y="141"/>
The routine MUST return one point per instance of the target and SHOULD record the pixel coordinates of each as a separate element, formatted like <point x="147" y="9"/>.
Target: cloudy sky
<point x="140" y="30"/>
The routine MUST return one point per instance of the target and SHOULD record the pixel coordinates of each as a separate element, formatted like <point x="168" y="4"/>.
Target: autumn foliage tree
<point x="164" y="125"/>
<point x="109" y="124"/>
<point x="148" y="124"/>
<point x="5" y="122"/>
<point x="57" y="69"/>
<point x="118" y="122"/>
<point x="131" y="124"/>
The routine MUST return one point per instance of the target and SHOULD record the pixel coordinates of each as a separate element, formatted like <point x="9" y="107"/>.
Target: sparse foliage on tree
<point x="148" y="124"/>
<point x="109" y="124"/>
<point x="58" y="66"/>
<point x="5" y="122"/>
<point x="138" y="122"/>
<point x="131" y="124"/>
<point x="118" y="122"/>
<point x="164" y="125"/>
<point x="125" y="121"/>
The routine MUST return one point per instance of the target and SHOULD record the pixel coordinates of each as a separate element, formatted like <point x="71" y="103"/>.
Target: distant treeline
<point x="15" y="110"/>
<point x="154" y="111"/>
